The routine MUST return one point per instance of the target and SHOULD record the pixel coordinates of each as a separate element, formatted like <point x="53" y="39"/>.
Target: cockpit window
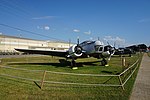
<point x="101" y="49"/>
<point x="98" y="48"/>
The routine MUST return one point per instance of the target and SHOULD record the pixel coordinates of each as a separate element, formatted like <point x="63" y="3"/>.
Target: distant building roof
<point x="15" y="37"/>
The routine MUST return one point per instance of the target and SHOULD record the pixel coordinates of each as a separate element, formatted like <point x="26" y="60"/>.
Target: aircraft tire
<point x="103" y="62"/>
<point x="73" y="63"/>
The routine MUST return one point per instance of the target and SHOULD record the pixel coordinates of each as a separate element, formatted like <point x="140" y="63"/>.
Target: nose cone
<point x="99" y="43"/>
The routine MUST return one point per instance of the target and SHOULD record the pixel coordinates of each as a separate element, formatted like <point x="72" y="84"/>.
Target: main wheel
<point x="103" y="62"/>
<point x="73" y="63"/>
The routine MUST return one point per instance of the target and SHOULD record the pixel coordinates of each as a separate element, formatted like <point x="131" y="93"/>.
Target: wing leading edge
<point x="59" y="53"/>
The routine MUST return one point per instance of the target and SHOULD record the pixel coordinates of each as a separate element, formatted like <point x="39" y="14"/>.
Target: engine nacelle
<point x="106" y="54"/>
<point x="75" y="51"/>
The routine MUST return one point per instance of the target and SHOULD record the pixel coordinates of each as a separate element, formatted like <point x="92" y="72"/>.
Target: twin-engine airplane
<point x="85" y="49"/>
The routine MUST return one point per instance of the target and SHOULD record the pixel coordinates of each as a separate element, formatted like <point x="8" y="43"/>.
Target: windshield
<point x="98" y="48"/>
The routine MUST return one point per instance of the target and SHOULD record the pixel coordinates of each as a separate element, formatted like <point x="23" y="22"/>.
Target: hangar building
<point x="8" y="43"/>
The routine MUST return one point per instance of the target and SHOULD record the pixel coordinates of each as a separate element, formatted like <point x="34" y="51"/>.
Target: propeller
<point x="112" y="50"/>
<point x="78" y="48"/>
<point x="78" y="41"/>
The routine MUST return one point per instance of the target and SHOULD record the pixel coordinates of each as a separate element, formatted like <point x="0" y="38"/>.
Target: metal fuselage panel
<point x="92" y="48"/>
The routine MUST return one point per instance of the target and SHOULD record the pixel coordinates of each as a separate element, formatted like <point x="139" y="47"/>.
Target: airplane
<point x="85" y="49"/>
<point x="124" y="51"/>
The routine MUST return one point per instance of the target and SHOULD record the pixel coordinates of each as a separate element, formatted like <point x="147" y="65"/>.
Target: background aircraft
<point x="138" y="48"/>
<point x="124" y="51"/>
<point x="131" y="49"/>
<point x="83" y="50"/>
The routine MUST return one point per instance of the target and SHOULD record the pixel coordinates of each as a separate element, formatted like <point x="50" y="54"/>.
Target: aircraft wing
<point x="59" y="53"/>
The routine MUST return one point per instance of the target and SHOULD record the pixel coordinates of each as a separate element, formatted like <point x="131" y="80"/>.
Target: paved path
<point x="141" y="89"/>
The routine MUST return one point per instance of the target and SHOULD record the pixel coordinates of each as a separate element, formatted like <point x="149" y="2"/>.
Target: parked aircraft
<point x="138" y="48"/>
<point x="83" y="50"/>
<point x="124" y="51"/>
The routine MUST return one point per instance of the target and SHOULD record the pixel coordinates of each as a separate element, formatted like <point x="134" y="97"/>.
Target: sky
<point x="123" y="22"/>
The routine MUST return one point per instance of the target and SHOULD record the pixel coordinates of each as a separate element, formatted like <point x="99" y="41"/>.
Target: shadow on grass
<point x="37" y="84"/>
<point x="15" y="81"/>
<point x="63" y="63"/>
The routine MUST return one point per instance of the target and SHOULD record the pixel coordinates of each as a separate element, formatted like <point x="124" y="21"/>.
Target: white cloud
<point x="89" y="32"/>
<point x="91" y="38"/>
<point x="117" y="40"/>
<point x="44" y="17"/>
<point x="46" y="27"/>
<point x="76" y="30"/>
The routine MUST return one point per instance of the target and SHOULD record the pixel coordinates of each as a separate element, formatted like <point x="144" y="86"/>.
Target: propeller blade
<point x="109" y="58"/>
<point x="108" y="43"/>
<point x="114" y="44"/>
<point x="78" y="41"/>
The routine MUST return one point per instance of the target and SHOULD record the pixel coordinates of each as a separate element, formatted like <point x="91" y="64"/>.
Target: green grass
<point x="11" y="88"/>
<point x="148" y="54"/>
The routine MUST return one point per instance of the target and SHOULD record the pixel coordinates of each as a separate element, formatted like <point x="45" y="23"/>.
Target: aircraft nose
<point x="98" y="48"/>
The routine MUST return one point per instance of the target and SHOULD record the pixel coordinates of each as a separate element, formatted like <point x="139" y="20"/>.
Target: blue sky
<point x="125" y="22"/>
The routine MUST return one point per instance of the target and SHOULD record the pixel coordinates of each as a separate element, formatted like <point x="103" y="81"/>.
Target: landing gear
<point x="104" y="62"/>
<point x="73" y="63"/>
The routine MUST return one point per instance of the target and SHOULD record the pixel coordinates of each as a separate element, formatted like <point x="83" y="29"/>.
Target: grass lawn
<point x="13" y="89"/>
<point x="148" y="54"/>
